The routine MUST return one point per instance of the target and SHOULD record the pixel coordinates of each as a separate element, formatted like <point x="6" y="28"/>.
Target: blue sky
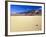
<point x="22" y="8"/>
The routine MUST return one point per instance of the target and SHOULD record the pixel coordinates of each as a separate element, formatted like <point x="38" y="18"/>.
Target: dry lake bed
<point x="25" y="23"/>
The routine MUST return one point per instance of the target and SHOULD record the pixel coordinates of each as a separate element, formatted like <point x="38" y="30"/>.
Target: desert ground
<point x="25" y="23"/>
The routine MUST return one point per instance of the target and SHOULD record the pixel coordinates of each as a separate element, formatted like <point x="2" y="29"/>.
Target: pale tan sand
<point x="25" y="23"/>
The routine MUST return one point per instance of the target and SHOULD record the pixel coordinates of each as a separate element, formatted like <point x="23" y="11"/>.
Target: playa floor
<point x="25" y="23"/>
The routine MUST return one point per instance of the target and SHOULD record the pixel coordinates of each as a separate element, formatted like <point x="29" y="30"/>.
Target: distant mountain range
<point x="29" y="13"/>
